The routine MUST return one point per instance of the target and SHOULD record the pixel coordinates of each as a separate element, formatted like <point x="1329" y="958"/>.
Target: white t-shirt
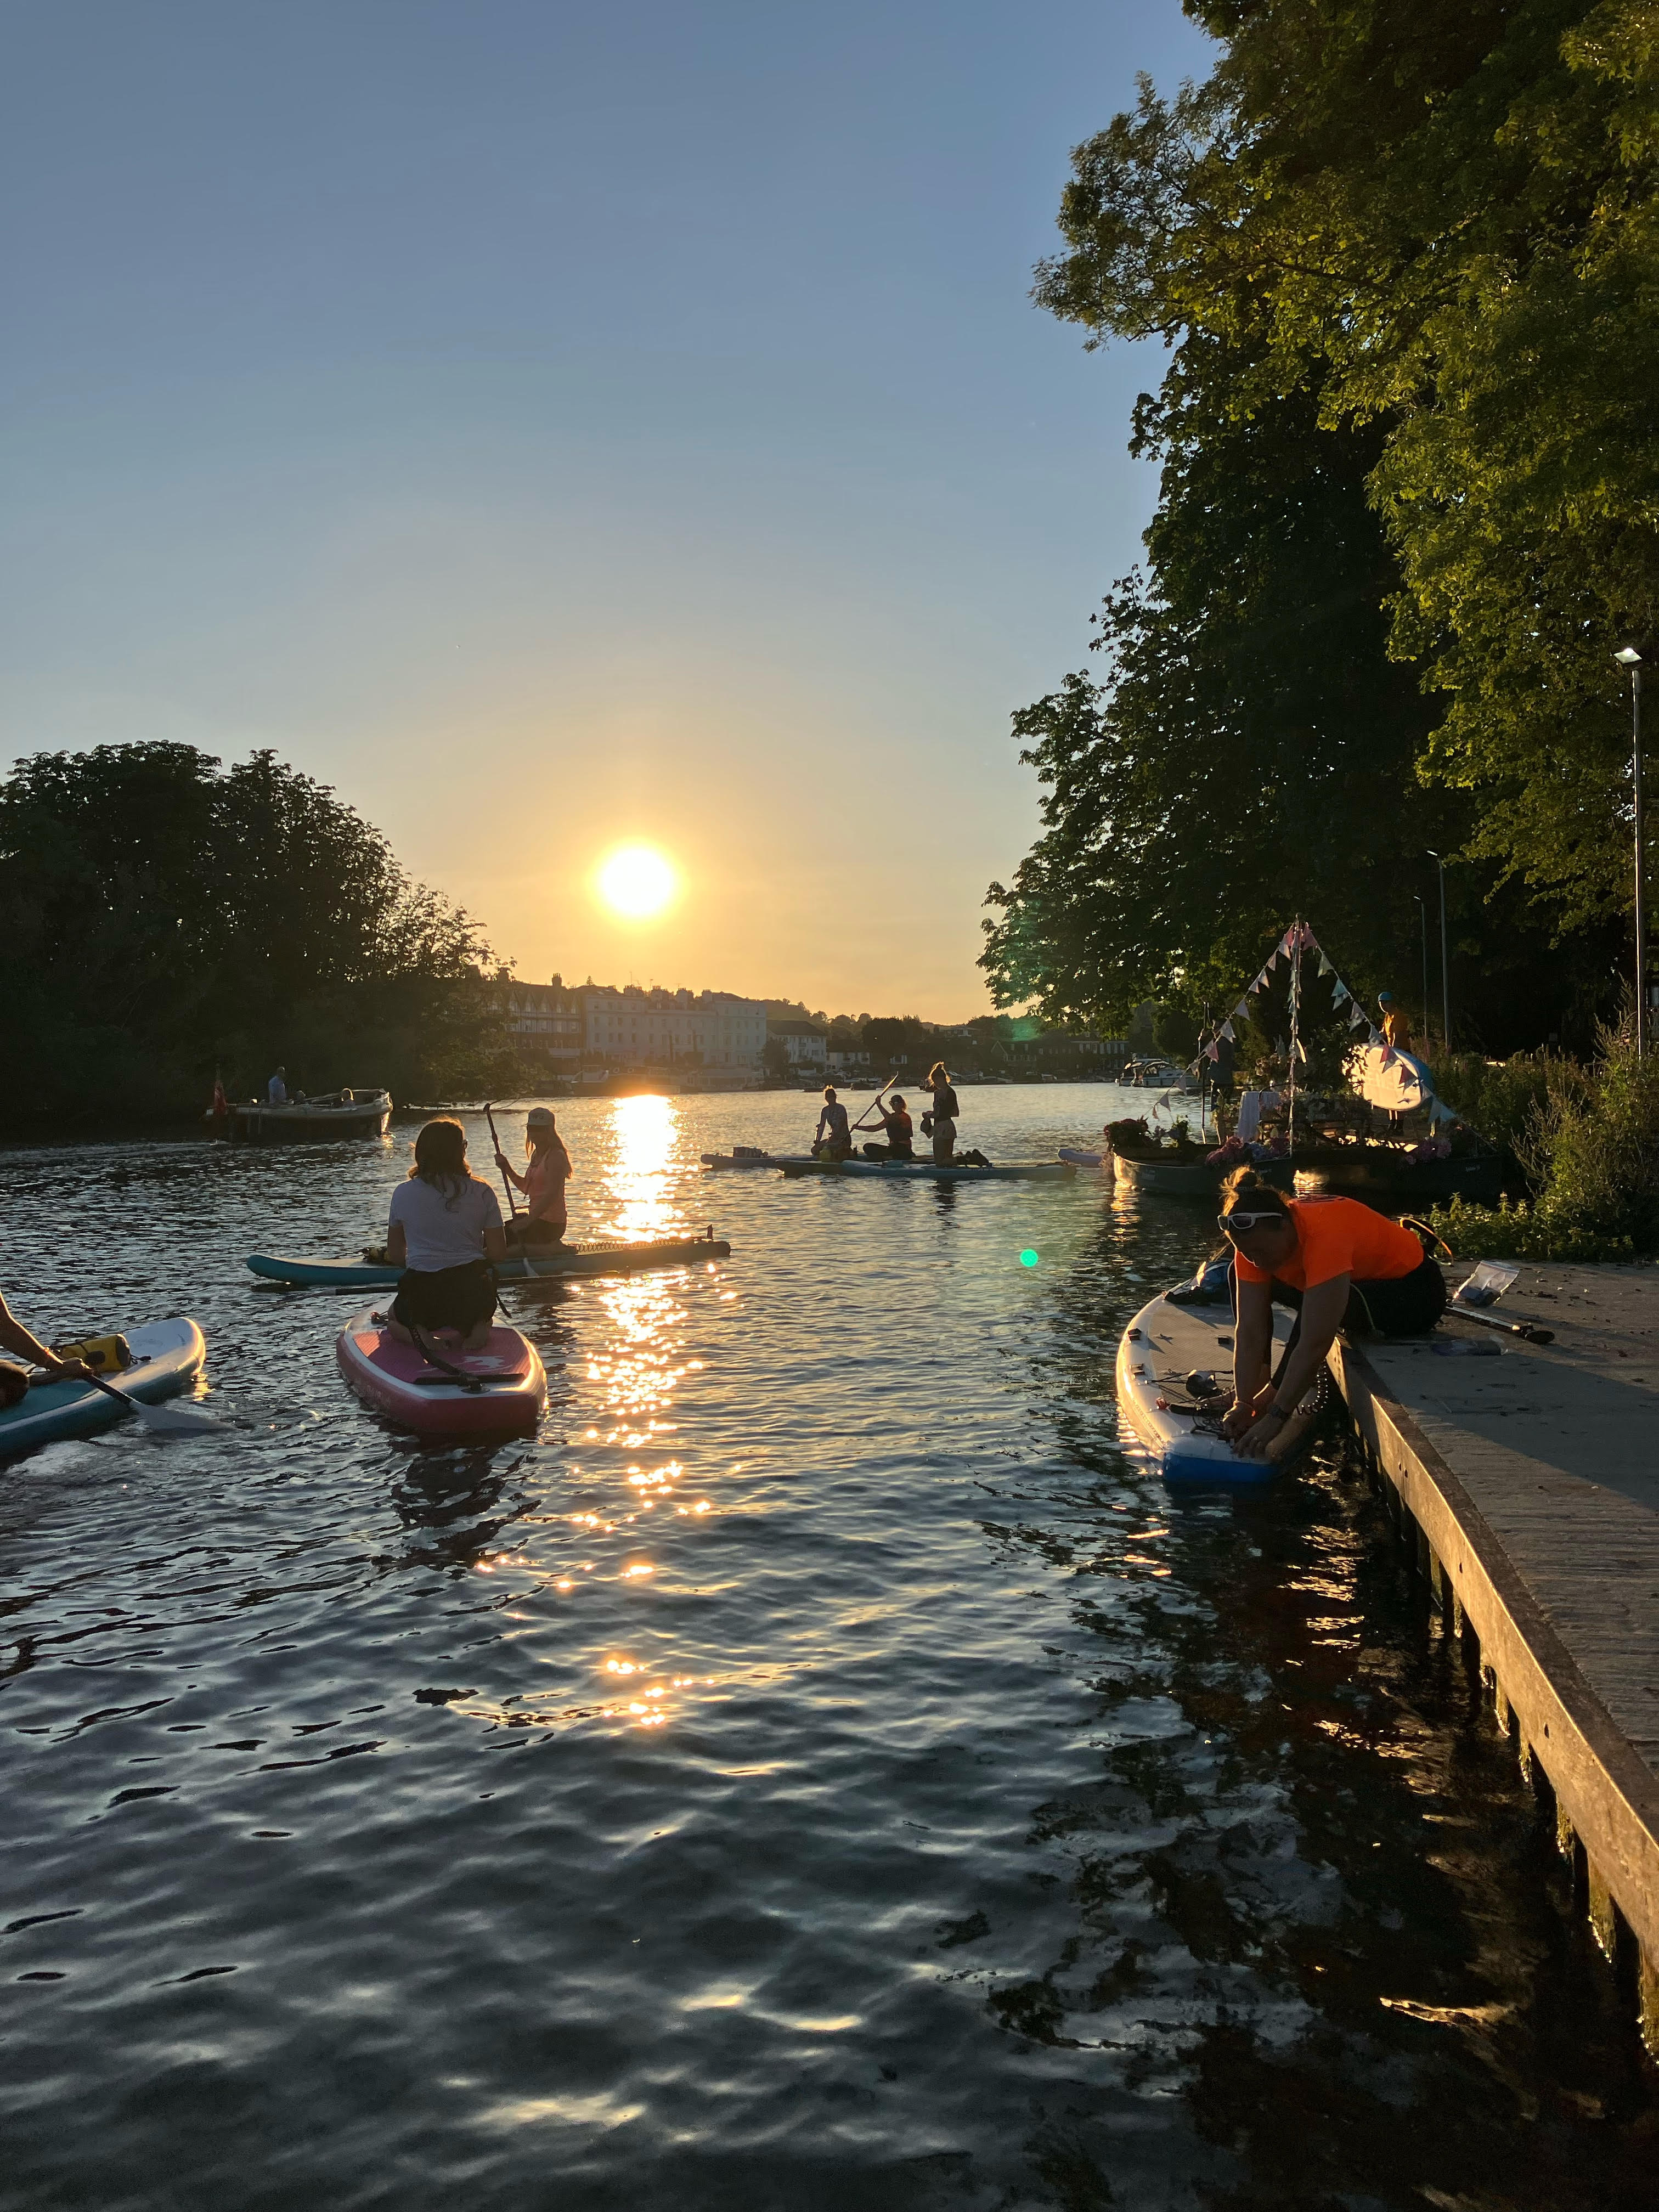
<point x="444" y="1229"/>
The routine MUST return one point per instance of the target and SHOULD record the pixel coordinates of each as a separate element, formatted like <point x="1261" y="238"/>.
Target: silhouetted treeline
<point x="163" y="918"/>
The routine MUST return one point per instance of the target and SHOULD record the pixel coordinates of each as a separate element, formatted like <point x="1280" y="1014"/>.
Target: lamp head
<point x="1628" y="656"/>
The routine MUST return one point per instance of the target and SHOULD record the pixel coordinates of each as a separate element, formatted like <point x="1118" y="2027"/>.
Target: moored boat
<point x="365" y="1274"/>
<point x="499" y="1391"/>
<point x="1192" y="1177"/>
<point x="165" y="1357"/>
<point x="341" y="1114"/>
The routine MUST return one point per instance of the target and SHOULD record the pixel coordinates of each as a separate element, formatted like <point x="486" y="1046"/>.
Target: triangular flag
<point x="1212" y="1052"/>
<point x="1340" y="993"/>
<point x="1288" y="944"/>
<point x="1241" y="1011"/>
<point x="1272" y="963"/>
<point x="1226" y="1031"/>
<point x="1390" y="1056"/>
<point x="1356" y="1014"/>
<point x="1325" y="967"/>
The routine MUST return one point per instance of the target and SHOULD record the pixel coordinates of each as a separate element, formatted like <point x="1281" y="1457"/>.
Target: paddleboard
<point x="1091" y="1160"/>
<point x="398" y="1381"/>
<point x="361" y="1274"/>
<point x="166" y="1358"/>
<point x="1162" y="1347"/>
<point x="928" y="1172"/>
<point x="736" y="1162"/>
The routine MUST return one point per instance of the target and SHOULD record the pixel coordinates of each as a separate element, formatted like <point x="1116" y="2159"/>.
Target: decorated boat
<point x="340" y="1114"/>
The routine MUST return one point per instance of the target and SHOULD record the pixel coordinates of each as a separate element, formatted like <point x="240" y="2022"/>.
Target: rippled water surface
<point x="817" y="1770"/>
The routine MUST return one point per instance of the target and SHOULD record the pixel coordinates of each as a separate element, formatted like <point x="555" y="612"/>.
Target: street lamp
<point x="1628" y="657"/>
<point x="1445" y="964"/>
<point x="1423" y="916"/>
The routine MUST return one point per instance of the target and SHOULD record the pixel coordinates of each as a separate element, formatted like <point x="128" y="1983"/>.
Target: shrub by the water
<point x="1518" y="1231"/>
<point x="1499" y="1097"/>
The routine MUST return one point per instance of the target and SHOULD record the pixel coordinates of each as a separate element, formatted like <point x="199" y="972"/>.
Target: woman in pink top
<point x="546" y="1172"/>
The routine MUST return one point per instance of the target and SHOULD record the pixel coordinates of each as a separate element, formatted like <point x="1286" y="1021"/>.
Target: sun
<point x="636" y="881"/>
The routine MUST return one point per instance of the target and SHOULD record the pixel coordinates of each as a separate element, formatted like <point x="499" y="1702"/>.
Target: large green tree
<point x="161" y="917"/>
<point x="1422" y="243"/>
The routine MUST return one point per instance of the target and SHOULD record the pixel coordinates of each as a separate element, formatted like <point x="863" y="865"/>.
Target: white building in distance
<point x="597" y="1026"/>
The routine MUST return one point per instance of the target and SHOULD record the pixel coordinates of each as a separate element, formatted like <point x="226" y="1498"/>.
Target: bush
<point x="1501" y="1098"/>
<point x="1504" y="1231"/>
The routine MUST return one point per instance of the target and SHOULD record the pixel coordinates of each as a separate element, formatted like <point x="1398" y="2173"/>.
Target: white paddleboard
<point x="1161" y="1347"/>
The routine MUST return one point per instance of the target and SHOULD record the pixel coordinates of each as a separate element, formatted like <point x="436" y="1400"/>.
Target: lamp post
<point x="1445" y="963"/>
<point x="1628" y="657"/>
<point x="1423" y="917"/>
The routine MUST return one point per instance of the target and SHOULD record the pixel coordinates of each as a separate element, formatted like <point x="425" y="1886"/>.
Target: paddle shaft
<point x="1525" y="1328"/>
<point x="511" y="1203"/>
<point x="874" y="1107"/>
<point x="165" y="1417"/>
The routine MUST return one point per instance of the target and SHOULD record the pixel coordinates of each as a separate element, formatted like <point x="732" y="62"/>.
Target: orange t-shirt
<point x="1339" y="1236"/>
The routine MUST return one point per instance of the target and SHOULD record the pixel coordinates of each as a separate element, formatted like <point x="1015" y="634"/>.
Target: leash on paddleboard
<point x="434" y="1357"/>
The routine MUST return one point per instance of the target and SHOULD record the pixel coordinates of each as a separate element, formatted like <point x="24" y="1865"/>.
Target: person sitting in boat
<point x="276" y="1089"/>
<point x="445" y="1232"/>
<point x="546" y="1172"/>
<point x="940" y="1124"/>
<point x="15" y="1380"/>
<point x="834" y="1138"/>
<point x="1340" y="1264"/>
<point x="898" y="1130"/>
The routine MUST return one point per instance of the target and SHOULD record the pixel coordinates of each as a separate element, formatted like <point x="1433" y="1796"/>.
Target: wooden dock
<point x="1529" y="1482"/>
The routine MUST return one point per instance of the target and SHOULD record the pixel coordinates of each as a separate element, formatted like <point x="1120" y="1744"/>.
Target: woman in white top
<point x="445" y="1232"/>
<point x="545" y="1175"/>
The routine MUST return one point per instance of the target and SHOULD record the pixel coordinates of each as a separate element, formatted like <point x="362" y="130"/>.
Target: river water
<point x="819" y="1771"/>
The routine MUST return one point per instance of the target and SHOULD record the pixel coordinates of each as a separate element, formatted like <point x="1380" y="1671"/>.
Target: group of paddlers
<point x="835" y="1136"/>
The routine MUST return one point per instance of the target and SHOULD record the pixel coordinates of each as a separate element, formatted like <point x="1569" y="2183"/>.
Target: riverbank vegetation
<point x="1405" y="263"/>
<point x="164" y="919"/>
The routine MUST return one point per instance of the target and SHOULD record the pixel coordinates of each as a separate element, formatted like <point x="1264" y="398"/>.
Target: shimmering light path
<point x="818" y="1770"/>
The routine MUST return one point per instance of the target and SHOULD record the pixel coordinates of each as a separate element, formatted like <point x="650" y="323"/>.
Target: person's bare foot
<point x="476" y="1339"/>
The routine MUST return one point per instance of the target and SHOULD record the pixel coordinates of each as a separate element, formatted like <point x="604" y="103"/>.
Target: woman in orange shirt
<point x="1342" y="1266"/>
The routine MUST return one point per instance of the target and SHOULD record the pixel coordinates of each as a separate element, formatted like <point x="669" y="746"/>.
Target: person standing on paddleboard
<point x="546" y="1172"/>
<point x="13" y="1380"/>
<point x="1341" y="1266"/>
<point x="941" y="1123"/>
<point x="445" y="1232"/>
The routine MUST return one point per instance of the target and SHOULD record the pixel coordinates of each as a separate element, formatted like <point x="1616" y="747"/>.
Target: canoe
<point x="1164" y="1345"/>
<point x="508" y="1384"/>
<point x="926" y="1172"/>
<point x="166" y="1358"/>
<point x="343" y="1113"/>
<point x="361" y="1274"/>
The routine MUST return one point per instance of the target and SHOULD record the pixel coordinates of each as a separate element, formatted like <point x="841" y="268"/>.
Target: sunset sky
<point x="561" y="428"/>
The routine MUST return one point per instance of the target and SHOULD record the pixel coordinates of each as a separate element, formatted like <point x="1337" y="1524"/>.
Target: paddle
<point x="511" y="1203"/>
<point x="874" y="1107"/>
<point x="162" y="1420"/>
<point x="1526" y="1329"/>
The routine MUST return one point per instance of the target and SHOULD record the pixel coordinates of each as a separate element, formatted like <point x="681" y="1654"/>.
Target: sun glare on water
<point x="636" y="881"/>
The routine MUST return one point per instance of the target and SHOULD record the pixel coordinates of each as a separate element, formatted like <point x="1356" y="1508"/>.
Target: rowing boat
<point x="361" y="1274"/>
<point x="342" y="1113"/>
<point x="499" y="1391"/>
<point x="166" y="1357"/>
<point x="930" y="1172"/>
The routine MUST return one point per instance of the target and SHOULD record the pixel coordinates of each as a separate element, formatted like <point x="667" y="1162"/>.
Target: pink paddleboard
<point x="396" y="1380"/>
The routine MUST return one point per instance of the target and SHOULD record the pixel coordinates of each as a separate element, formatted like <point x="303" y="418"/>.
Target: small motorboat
<point x="163" y="1358"/>
<point x="341" y="1114"/>
<point x="497" y="1392"/>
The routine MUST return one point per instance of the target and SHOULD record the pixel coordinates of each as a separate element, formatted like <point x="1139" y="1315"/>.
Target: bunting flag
<point x="1272" y="962"/>
<point x="1355" y="1013"/>
<point x="1212" y="1052"/>
<point x="1340" y="993"/>
<point x="1289" y="942"/>
<point x="1241" y="1011"/>
<point x="1325" y="967"/>
<point x="1390" y="1056"/>
<point x="1226" y="1031"/>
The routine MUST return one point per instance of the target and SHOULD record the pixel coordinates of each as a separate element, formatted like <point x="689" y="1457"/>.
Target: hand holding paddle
<point x="501" y="1162"/>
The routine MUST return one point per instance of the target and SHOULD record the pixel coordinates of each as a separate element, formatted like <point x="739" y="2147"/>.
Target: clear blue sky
<point x="556" y="426"/>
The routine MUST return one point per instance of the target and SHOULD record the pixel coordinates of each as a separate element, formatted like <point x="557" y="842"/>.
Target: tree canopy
<point x="1407" y="261"/>
<point x="163" y="917"/>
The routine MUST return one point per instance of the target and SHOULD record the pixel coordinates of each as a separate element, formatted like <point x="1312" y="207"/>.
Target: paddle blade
<point x="176" y="1420"/>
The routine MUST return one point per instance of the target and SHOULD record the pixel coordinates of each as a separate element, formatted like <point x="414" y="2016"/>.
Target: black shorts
<point x="521" y="1230"/>
<point x="1404" y="1305"/>
<point x="452" y="1297"/>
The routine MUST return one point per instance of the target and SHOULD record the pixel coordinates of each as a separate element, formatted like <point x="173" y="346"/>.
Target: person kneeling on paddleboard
<point x="546" y="1173"/>
<point x="1341" y="1266"/>
<point x="834" y="1138"/>
<point x="13" y="1380"/>
<point x="445" y="1232"/>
